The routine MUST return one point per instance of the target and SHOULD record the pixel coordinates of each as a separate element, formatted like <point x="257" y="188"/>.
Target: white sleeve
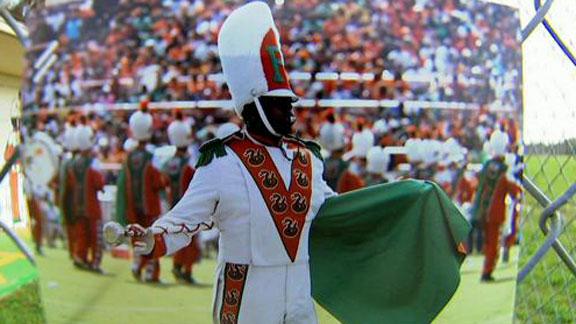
<point x="193" y="213"/>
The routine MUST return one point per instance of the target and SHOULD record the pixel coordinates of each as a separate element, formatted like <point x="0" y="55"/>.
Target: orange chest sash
<point x="288" y="206"/>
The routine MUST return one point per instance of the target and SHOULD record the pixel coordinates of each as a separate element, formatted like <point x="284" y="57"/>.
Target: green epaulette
<point x="210" y="149"/>
<point x="311" y="145"/>
<point x="216" y="148"/>
<point x="315" y="148"/>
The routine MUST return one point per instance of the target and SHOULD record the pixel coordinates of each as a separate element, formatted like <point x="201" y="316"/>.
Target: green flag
<point x="387" y="254"/>
<point x="63" y="195"/>
<point x="121" y="197"/>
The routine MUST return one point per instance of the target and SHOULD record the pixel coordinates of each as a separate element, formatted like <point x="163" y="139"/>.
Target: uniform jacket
<point x="85" y="180"/>
<point x="223" y="193"/>
<point x="139" y="188"/>
<point x="494" y="186"/>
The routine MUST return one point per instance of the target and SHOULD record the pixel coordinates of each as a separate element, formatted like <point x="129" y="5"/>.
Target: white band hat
<point x="251" y="58"/>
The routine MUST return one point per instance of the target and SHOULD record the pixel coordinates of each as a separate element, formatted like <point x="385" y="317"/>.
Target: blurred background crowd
<point x="357" y="130"/>
<point x="122" y="51"/>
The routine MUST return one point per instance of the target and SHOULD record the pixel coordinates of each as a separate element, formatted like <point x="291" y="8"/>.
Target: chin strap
<point x="264" y="118"/>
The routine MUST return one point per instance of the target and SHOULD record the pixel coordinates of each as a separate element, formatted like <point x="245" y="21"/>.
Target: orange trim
<point x="159" y="247"/>
<point x="273" y="63"/>
<point x="234" y="281"/>
<point x="288" y="207"/>
<point x="15" y="196"/>
<point x="462" y="248"/>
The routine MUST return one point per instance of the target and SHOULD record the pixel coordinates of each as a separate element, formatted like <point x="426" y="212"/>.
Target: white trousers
<point x="248" y="294"/>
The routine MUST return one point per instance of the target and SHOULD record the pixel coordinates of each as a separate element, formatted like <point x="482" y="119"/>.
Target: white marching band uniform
<point x="224" y="194"/>
<point x="263" y="273"/>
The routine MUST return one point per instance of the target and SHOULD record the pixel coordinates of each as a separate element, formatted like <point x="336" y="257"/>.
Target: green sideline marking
<point x="15" y="270"/>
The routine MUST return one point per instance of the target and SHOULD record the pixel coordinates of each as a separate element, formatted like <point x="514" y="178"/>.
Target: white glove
<point x="142" y="239"/>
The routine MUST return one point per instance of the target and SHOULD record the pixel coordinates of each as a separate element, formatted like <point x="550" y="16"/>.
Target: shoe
<point x="81" y="265"/>
<point x="137" y="275"/>
<point x="97" y="270"/>
<point x="177" y="274"/>
<point x="487" y="278"/>
<point x="153" y="281"/>
<point x="189" y="280"/>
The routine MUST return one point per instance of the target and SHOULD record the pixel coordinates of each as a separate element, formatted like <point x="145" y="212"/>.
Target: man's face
<point x="280" y="113"/>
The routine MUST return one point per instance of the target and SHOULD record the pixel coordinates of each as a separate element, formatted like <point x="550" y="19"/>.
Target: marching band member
<point x="179" y="173"/>
<point x="84" y="181"/>
<point x="139" y="185"/>
<point x="261" y="186"/>
<point x="489" y="205"/>
<point x="64" y="193"/>
<point x="336" y="169"/>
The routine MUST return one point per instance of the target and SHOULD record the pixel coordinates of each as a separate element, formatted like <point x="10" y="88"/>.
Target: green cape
<point x="121" y="198"/>
<point x="387" y="254"/>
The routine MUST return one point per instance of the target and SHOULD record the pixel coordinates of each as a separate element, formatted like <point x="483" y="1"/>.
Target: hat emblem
<point x="273" y="62"/>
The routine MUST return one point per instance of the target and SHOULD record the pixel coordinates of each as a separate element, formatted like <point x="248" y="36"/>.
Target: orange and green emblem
<point x="273" y="63"/>
<point x="288" y="206"/>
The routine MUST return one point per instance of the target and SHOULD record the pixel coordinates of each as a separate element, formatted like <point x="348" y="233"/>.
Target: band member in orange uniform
<point x="490" y="206"/>
<point x="64" y="192"/>
<point x="35" y="217"/>
<point x="86" y="180"/>
<point x="336" y="169"/>
<point x="140" y="184"/>
<point x="179" y="171"/>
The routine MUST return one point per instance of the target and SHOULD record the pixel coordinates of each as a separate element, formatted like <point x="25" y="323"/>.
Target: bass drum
<point x="40" y="165"/>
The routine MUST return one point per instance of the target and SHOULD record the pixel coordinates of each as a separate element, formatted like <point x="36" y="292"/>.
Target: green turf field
<point x="548" y="295"/>
<point x="553" y="174"/>
<point x="15" y="270"/>
<point x="73" y="296"/>
<point x="23" y="306"/>
<point x="19" y="292"/>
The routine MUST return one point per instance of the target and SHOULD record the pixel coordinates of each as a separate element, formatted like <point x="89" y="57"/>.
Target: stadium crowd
<point x="121" y="51"/>
<point x="471" y="130"/>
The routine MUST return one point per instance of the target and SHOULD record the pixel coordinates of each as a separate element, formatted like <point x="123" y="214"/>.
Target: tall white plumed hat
<point x="432" y="151"/>
<point x="141" y="125"/>
<point x="332" y="136"/>
<point x="179" y="134"/>
<point x="251" y="57"/>
<point x="84" y="137"/>
<point x="69" y="137"/>
<point x="414" y="150"/>
<point x="130" y="144"/>
<point x="377" y="160"/>
<point x="452" y="152"/>
<point x="361" y="144"/>
<point x="498" y="143"/>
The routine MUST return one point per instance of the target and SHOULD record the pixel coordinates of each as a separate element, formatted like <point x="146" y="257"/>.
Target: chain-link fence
<point x="547" y="286"/>
<point x="546" y="291"/>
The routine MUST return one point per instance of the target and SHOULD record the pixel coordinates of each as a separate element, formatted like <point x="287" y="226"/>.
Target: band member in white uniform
<point x="260" y="186"/>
